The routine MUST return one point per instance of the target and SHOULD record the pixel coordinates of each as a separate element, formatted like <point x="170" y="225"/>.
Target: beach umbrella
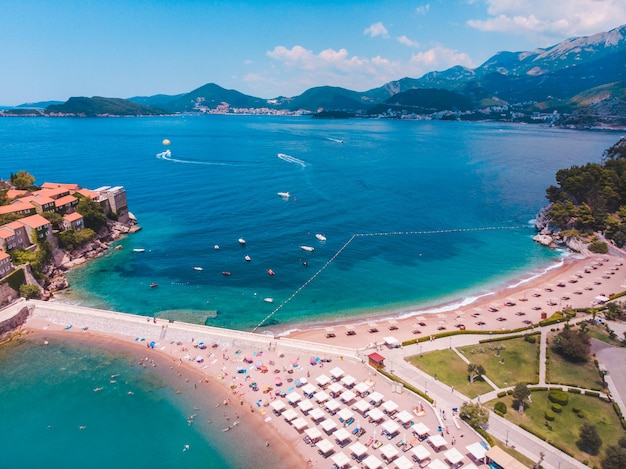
<point x="313" y="433"/>
<point x="403" y="463"/>
<point x="199" y="359"/>
<point x="321" y="397"/>
<point x="372" y="462"/>
<point x="375" y="415"/>
<point x="294" y="362"/>
<point x="437" y="441"/>
<point x="333" y="405"/>
<point x="341" y="435"/>
<point x="290" y="415"/>
<point x="454" y="456"/>
<point x="389" y="451"/>
<point x="300" y="424"/>
<point x="259" y="364"/>
<point x="317" y="414"/>
<point x="348" y="381"/>
<point x="345" y="414"/>
<point x="278" y="406"/>
<point x="476" y="450"/>
<point x="362" y="406"/>
<point x="391" y="427"/>
<point x="362" y="388"/>
<point x="328" y="425"/>
<point x="340" y="460"/>
<point x="336" y="372"/>
<point x="375" y="398"/>
<point x="404" y="417"/>
<point x="305" y="406"/>
<point x="335" y="388"/>
<point x="358" y="449"/>
<point x="322" y="380"/>
<point x="437" y="464"/>
<point x="389" y="406"/>
<point x="325" y="446"/>
<point x="347" y="396"/>
<point x="294" y="397"/>
<point x="420" y="429"/>
<point x="309" y="389"/>
<point x="420" y="452"/>
<point x="313" y="360"/>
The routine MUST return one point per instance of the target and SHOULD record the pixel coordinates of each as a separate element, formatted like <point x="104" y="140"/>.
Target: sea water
<point x="415" y="214"/>
<point x="450" y="205"/>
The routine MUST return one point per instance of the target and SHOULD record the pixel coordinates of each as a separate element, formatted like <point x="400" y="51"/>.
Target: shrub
<point x="599" y="247"/>
<point x="592" y="393"/>
<point x="574" y="391"/>
<point x="30" y="291"/>
<point x="557" y="408"/>
<point x="500" y="407"/>
<point x="550" y="416"/>
<point x="501" y="394"/>
<point x="558" y="396"/>
<point x="530" y="338"/>
<point x="581" y="414"/>
<point x="576" y="409"/>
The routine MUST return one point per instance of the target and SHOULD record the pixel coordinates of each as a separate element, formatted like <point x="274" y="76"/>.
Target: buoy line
<point x="388" y="233"/>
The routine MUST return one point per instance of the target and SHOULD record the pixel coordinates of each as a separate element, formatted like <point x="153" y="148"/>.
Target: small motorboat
<point x="270" y="272"/>
<point x="139" y="250"/>
<point x="305" y="263"/>
<point x="242" y="241"/>
<point x="321" y="237"/>
<point x="284" y="195"/>
<point x="268" y="300"/>
<point x="154" y="285"/>
<point x="198" y="268"/>
<point x="307" y="248"/>
<point x="216" y="247"/>
<point x="247" y="258"/>
<point x="226" y="274"/>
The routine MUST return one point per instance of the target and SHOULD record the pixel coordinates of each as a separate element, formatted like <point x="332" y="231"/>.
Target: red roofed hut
<point x="376" y="360"/>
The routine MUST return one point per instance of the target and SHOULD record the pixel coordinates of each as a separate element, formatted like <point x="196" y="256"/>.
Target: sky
<point x="53" y="50"/>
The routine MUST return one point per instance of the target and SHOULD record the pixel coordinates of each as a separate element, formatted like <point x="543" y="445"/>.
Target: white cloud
<point x="540" y="18"/>
<point x="408" y="42"/>
<point x="376" y="29"/>
<point x="338" y="68"/>
<point x="422" y="9"/>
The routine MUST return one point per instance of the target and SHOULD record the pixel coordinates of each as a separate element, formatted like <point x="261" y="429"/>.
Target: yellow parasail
<point x="166" y="142"/>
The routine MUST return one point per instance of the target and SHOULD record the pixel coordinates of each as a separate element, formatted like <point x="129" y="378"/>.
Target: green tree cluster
<point x="574" y="345"/>
<point x="592" y="197"/>
<point x="615" y="455"/>
<point x="588" y="439"/>
<point x="22" y="180"/>
<point x="93" y="214"/>
<point x="71" y="239"/>
<point x="474" y="414"/>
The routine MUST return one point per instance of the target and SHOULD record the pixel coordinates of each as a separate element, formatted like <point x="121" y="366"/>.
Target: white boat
<point x="321" y="237"/>
<point x="284" y="195"/>
<point x="307" y="248"/>
<point x="198" y="268"/>
<point x="216" y="247"/>
<point x="247" y="258"/>
<point x="268" y="300"/>
<point x="138" y="250"/>
<point x="242" y="241"/>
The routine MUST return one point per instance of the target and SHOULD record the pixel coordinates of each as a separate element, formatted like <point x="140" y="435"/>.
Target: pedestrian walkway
<point x="447" y="398"/>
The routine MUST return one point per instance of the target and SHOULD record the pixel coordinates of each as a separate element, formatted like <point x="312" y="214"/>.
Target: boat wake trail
<point x="337" y="140"/>
<point x="291" y="159"/>
<point x="167" y="156"/>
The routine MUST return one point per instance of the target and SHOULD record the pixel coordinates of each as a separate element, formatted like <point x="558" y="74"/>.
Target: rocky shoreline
<point x="63" y="261"/>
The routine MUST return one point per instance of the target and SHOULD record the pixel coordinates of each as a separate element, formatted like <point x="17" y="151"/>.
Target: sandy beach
<point x="301" y="389"/>
<point x="576" y="284"/>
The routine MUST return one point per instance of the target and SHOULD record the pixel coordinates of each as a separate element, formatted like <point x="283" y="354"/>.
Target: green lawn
<point x="516" y="363"/>
<point x="561" y="371"/>
<point x="450" y="369"/>
<point x="564" y="430"/>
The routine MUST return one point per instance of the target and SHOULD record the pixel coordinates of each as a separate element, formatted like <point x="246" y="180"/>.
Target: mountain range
<point x="581" y="80"/>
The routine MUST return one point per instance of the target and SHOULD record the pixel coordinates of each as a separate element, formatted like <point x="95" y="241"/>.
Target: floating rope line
<point x="388" y="233"/>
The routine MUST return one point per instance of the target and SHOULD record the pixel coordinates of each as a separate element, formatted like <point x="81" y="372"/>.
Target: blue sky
<point x="52" y="50"/>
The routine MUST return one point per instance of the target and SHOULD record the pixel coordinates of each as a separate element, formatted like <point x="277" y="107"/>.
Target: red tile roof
<point x="55" y="185"/>
<point x="72" y="216"/>
<point x="376" y="357"/>
<point x="15" y="207"/>
<point x="34" y="221"/>
<point x="68" y="199"/>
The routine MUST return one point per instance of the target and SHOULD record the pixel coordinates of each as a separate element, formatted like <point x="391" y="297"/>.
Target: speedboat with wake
<point x="321" y="237"/>
<point x="284" y="195"/>
<point x="307" y="248"/>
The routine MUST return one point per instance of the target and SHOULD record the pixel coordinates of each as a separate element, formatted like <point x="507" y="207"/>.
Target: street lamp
<point x="506" y="443"/>
<point x="425" y="386"/>
<point x="450" y="343"/>
<point x="420" y="350"/>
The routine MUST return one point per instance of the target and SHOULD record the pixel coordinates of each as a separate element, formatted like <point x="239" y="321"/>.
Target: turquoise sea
<point x="446" y="207"/>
